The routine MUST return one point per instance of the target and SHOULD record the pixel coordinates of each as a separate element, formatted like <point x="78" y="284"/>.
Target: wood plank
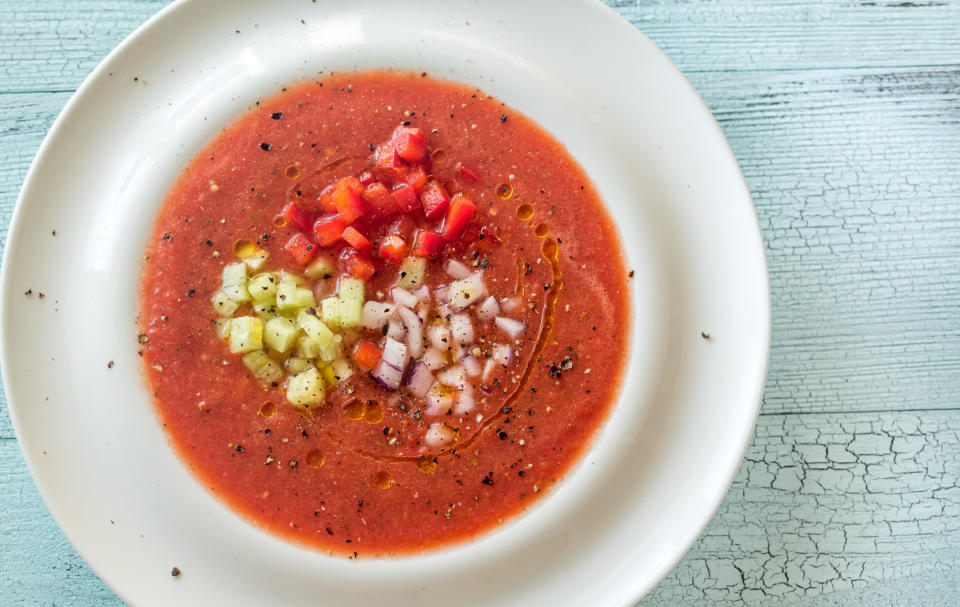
<point x="44" y="47"/>
<point x="833" y="503"/>
<point x="854" y="178"/>
<point x="824" y="506"/>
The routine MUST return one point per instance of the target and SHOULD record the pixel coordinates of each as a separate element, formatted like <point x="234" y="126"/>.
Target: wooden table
<point x="845" y="117"/>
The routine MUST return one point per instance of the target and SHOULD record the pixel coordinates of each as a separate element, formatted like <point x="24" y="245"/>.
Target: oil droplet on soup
<point x="354" y="409"/>
<point x="541" y="230"/>
<point x="292" y="172"/>
<point x="524" y="211"/>
<point x="316" y="458"/>
<point x="244" y="248"/>
<point x="372" y="413"/>
<point x="269" y="409"/>
<point x="383" y="479"/>
<point x="504" y="191"/>
<point x="427" y="466"/>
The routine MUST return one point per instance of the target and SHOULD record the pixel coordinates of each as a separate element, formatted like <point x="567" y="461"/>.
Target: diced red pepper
<point x="366" y="178"/>
<point x="410" y="143"/>
<point x="393" y="248"/>
<point x="406" y="197"/>
<point x="467" y="173"/>
<point x="427" y="244"/>
<point x="403" y="226"/>
<point x="325" y="199"/>
<point x="379" y="200"/>
<point x="458" y="217"/>
<point x="301" y="248"/>
<point x="434" y="199"/>
<point x="416" y="177"/>
<point x="351" y="183"/>
<point x="357" y="240"/>
<point x="366" y="355"/>
<point x="349" y="204"/>
<point x="385" y="156"/>
<point x="328" y="230"/>
<point x="357" y="264"/>
<point x="298" y="216"/>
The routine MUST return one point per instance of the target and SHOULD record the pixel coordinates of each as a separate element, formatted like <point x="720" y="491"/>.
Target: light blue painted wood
<point x="846" y="119"/>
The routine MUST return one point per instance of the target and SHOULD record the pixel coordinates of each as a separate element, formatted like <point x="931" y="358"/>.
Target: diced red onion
<point x="511" y="305"/>
<point x="503" y="355"/>
<point x="457" y="270"/>
<point x="463" y="293"/>
<point x="423" y="293"/>
<point x="375" y="314"/>
<point x="434" y="359"/>
<point x="439" y="337"/>
<point x="394" y="353"/>
<point x="396" y="330"/>
<point x="460" y="352"/>
<point x="454" y="376"/>
<point x="439" y="435"/>
<point x="510" y="326"/>
<point x="440" y="293"/>
<point x="423" y="313"/>
<point x="471" y="365"/>
<point x="387" y="375"/>
<point x="462" y="329"/>
<point x="419" y="380"/>
<point x="488" y="370"/>
<point x="439" y="401"/>
<point x="486" y="389"/>
<point x="488" y="309"/>
<point x="465" y="401"/>
<point x="414" y="331"/>
<point x="404" y="297"/>
<point x="321" y="289"/>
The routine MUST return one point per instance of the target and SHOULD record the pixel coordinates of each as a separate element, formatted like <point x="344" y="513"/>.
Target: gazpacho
<point x="382" y="313"/>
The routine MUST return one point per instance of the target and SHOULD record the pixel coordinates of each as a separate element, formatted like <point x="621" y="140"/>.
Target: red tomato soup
<point x="382" y="313"/>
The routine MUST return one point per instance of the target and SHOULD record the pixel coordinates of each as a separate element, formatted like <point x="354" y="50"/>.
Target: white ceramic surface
<point x="655" y="474"/>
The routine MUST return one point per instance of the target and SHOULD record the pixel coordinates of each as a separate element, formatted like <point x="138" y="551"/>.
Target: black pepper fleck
<point x="266" y="147"/>
<point x="277" y="115"/>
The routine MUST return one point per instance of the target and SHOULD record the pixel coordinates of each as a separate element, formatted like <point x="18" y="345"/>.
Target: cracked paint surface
<point x="828" y="503"/>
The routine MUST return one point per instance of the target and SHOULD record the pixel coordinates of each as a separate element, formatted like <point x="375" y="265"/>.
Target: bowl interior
<point x="654" y="475"/>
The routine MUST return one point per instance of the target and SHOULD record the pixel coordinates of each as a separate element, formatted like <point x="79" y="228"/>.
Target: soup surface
<point x="382" y="313"/>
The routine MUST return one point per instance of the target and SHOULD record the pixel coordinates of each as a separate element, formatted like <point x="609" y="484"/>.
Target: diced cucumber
<point x="351" y="289"/>
<point x="412" y="271"/>
<point x="246" y="334"/>
<point x="280" y="333"/>
<point x="262" y="287"/>
<point x="307" y="347"/>
<point x="295" y="365"/>
<point x="256" y="260"/>
<point x="315" y="328"/>
<point x="266" y="310"/>
<point x="236" y="292"/>
<point x="222" y="327"/>
<point x="321" y="267"/>
<point x="262" y="366"/>
<point x="331" y="351"/>
<point x="330" y="311"/>
<point x="342" y="369"/>
<point x="351" y="302"/>
<point x="328" y="375"/>
<point x="234" y="274"/>
<point x="292" y="297"/>
<point x="223" y="304"/>
<point x="286" y="276"/>
<point x="306" y="388"/>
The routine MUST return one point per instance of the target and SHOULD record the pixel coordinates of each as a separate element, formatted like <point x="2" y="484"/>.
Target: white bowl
<point x="655" y="474"/>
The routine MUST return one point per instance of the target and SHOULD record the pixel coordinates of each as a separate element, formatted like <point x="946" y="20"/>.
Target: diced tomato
<point x="427" y="244"/>
<point x="351" y="183"/>
<point x="410" y="143"/>
<point x="366" y="178"/>
<point x="328" y="230"/>
<point x="378" y="198"/>
<point x="416" y="177"/>
<point x="487" y="240"/>
<point x="434" y="199"/>
<point x="298" y="216"/>
<point x="467" y="173"/>
<point x="366" y="355"/>
<point x="403" y="226"/>
<point x="385" y="156"/>
<point x="393" y="248"/>
<point x="326" y="199"/>
<point x="357" y="240"/>
<point x="301" y="248"/>
<point x="458" y="217"/>
<point x="349" y="203"/>
<point x="357" y="264"/>
<point x="406" y="197"/>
